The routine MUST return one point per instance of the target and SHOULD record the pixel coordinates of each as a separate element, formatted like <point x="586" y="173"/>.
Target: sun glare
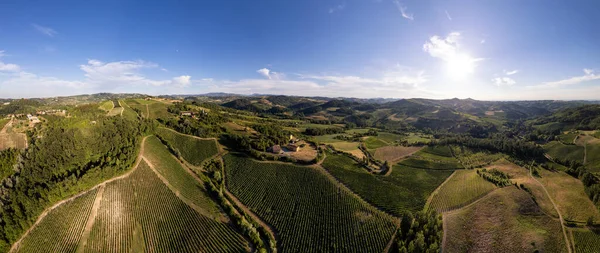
<point x="460" y="66"/>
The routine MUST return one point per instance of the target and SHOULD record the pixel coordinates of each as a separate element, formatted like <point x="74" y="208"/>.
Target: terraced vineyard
<point x="308" y="211"/>
<point x="586" y="241"/>
<point x="140" y="214"/>
<point x="62" y="228"/>
<point x="169" y="168"/>
<point x="405" y="188"/>
<point x="475" y="159"/>
<point x="422" y="162"/>
<point x="193" y="150"/>
<point x="464" y="187"/>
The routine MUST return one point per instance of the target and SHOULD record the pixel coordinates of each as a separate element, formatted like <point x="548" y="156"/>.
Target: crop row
<point x="586" y="242"/>
<point x="62" y="228"/>
<point x="464" y="187"/>
<point x="141" y="214"/>
<point x="193" y="150"/>
<point x="405" y="188"/>
<point x="308" y="211"/>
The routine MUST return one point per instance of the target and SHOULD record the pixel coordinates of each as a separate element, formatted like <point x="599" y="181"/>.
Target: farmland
<point x="586" y="241"/>
<point x="193" y="150"/>
<point x="107" y="106"/>
<point x="62" y="228"/>
<point x="374" y="142"/>
<point x="464" y="187"/>
<point x="169" y="168"/>
<point x="506" y="220"/>
<point x="394" y="153"/>
<point x="139" y="213"/>
<point x="404" y="189"/>
<point x="319" y="218"/>
<point x="559" y="150"/>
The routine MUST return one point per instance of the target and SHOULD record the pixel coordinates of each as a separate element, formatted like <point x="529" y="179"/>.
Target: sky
<point x="480" y="49"/>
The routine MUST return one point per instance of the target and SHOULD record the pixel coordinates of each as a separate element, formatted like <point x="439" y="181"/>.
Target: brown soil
<point x="394" y="154"/>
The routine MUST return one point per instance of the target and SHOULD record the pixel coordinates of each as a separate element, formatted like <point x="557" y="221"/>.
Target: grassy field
<point x="158" y="155"/>
<point x="372" y="143"/>
<point x="520" y="175"/>
<point x="506" y="220"/>
<point x="404" y="189"/>
<point x="586" y="241"/>
<point x="559" y="150"/>
<point x="158" y="110"/>
<point x="464" y="187"/>
<point x="139" y="213"/>
<point x="568" y="137"/>
<point x="309" y="212"/>
<point x="107" y="105"/>
<point x="326" y="139"/>
<point x="193" y="150"/>
<point x="345" y="146"/>
<point x="389" y="137"/>
<point x="62" y="228"/>
<point x="592" y="161"/>
<point x="3" y="123"/>
<point x="393" y="154"/>
<point x="438" y="150"/>
<point x="568" y="193"/>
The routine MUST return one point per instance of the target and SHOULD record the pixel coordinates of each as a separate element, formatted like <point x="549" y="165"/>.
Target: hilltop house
<point x="293" y="147"/>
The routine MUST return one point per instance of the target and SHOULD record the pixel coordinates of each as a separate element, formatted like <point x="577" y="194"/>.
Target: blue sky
<point x="482" y="49"/>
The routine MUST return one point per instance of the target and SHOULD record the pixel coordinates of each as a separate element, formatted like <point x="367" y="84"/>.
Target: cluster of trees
<point x="497" y="143"/>
<point x="355" y="137"/>
<point x="65" y="161"/>
<point x="274" y="133"/>
<point x="208" y="125"/>
<point x="8" y="158"/>
<point x="495" y="176"/>
<point x="323" y="131"/>
<point x="422" y="232"/>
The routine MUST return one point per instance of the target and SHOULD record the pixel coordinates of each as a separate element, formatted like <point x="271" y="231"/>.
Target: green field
<point x="464" y="187"/>
<point x="372" y="142"/>
<point x="193" y="150"/>
<point x="424" y="160"/>
<point x="592" y="161"/>
<point x="309" y="212"/>
<point x="139" y="213"/>
<point x="107" y="106"/>
<point x="567" y="138"/>
<point x="388" y="137"/>
<point x="158" y="110"/>
<point x="3" y="122"/>
<point x="438" y="150"/>
<point x="562" y="151"/>
<point x="164" y="162"/>
<point x="586" y="241"/>
<point x="61" y="230"/>
<point x="404" y="189"/>
<point x="470" y="158"/>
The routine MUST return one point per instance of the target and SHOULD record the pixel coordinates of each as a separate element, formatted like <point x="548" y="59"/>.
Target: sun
<point x="460" y="66"/>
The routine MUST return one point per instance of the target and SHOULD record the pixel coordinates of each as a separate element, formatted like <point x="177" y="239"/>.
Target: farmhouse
<point x="293" y="147"/>
<point x="275" y="149"/>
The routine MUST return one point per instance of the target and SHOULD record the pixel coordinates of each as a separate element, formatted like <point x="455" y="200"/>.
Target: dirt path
<point x="91" y="220"/>
<point x="388" y="247"/>
<point x="45" y="212"/>
<point x="584" y="152"/>
<point x="122" y="108"/>
<point x="562" y="222"/>
<point x="438" y="189"/>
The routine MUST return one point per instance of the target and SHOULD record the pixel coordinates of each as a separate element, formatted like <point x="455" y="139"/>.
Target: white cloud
<point x="265" y="72"/>
<point x="339" y="7"/>
<point x="589" y="75"/>
<point x="511" y="72"/>
<point x="45" y="30"/>
<point x="482" y="42"/>
<point x="271" y="74"/>
<point x="97" y="76"/>
<point x="448" y="15"/>
<point x="503" y="81"/>
<point x="403" y="10"/>
<point x="8" y="67"/>
<point x="458" y="64"/>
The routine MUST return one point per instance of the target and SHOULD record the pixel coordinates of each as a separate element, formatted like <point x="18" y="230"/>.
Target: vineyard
<point x="475" y="159"/>
<point x="464" y="187"/>
<point x="62" y="228"/>
<point x="562" y="151"/>
<point x="140" y="214"/>
<point x="438" y="150"/>
<point x="423" y="162"/>
<point x="309" y="212"/>
<point x="193" y="150"/>
<point x="169" y="168"/>
<point x="586" y="241"/>
<point x="404" y="189"/>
